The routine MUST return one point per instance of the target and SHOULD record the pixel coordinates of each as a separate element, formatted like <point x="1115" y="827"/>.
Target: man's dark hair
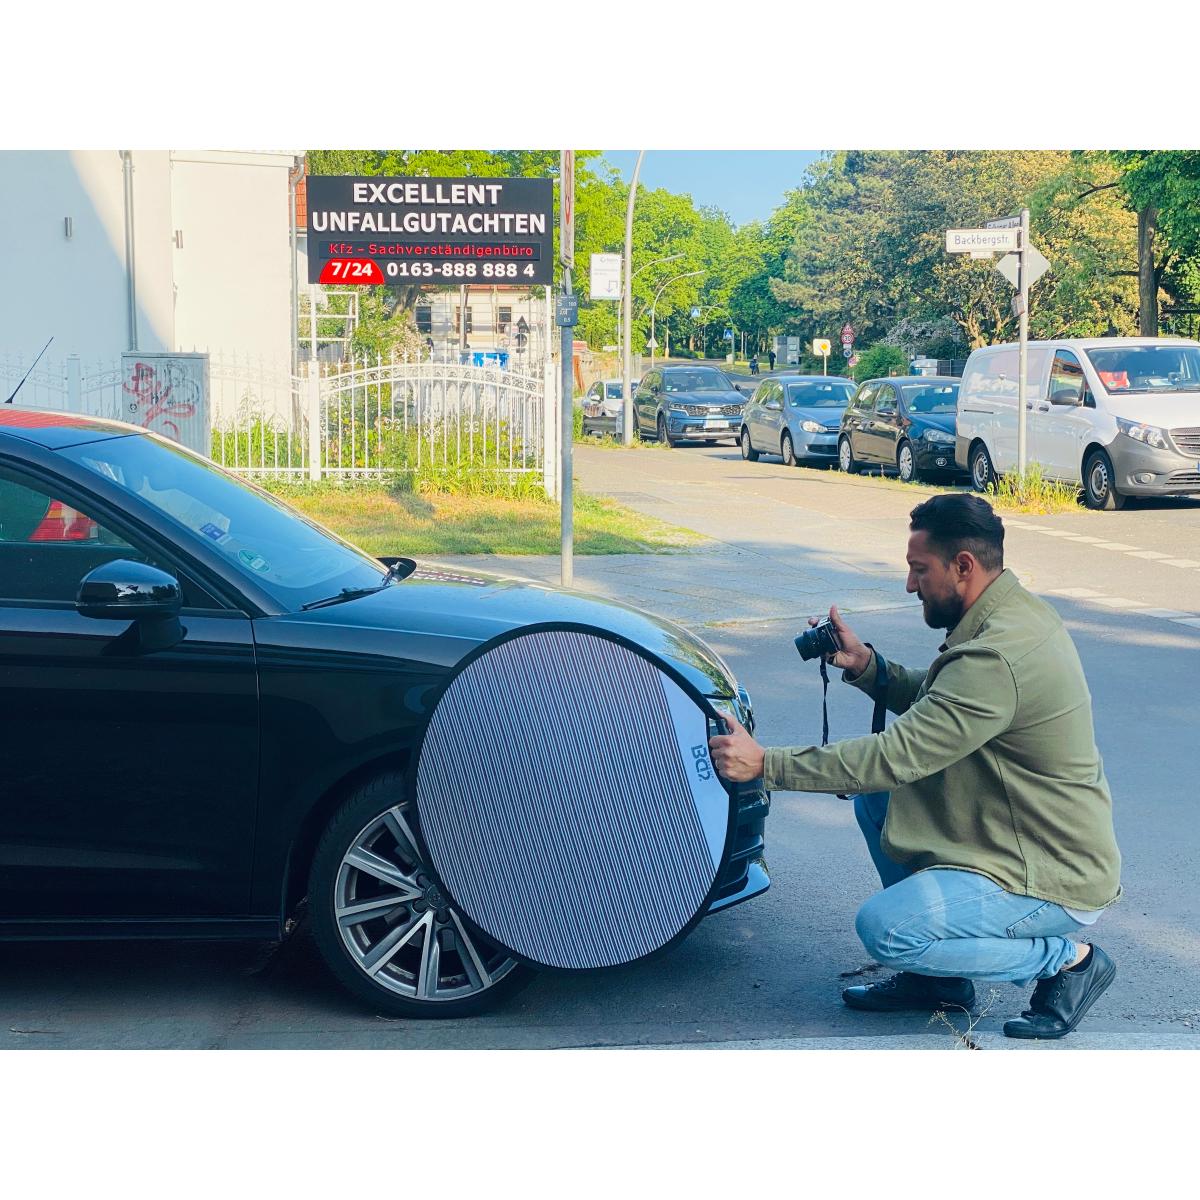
<point x="959" y="522"/>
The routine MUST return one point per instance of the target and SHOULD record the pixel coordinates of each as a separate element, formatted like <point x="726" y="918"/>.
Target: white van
<point x="1119" y="416"/>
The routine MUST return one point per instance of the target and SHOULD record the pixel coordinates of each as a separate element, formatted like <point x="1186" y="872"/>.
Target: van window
<point x="1066" y="379"/>
<point x="995" y="374"/>
<point x="1153" y="367"/>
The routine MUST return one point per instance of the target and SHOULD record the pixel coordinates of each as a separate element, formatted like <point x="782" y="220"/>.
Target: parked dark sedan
<point x="209" y="704"/>
<point x="905" y="423"/>
<point x="676" y="404"/>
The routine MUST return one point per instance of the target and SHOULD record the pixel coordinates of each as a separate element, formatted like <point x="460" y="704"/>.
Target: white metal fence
<point x="368" y="418"/>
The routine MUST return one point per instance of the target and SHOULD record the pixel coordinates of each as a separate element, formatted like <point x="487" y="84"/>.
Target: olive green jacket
<point x="992" y="763"/>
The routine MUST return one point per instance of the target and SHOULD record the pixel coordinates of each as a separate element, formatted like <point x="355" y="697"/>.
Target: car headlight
<point x="728" y="708"/>
<point x="1150" y="435"/>
<point x="812" y="427"/>
<point x="939" y="435"/>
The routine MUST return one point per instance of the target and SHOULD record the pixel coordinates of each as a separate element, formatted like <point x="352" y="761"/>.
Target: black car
<point x="209" y="702"/>
<point x="905" y="423"/>
<point x="675" y="404"/>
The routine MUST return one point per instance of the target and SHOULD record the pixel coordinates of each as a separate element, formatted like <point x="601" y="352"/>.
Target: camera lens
<point x="809" y="644"/>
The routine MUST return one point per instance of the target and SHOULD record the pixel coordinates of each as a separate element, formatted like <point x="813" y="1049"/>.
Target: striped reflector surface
<point x="567" y="801"/>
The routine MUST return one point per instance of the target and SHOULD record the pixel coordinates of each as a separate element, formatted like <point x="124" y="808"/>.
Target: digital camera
<point x="820" y="640"/>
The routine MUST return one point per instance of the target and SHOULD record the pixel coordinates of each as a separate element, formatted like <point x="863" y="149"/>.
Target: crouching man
<point x="984" y="804"/>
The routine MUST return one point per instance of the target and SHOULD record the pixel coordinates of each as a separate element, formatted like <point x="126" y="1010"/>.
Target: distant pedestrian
<point x="771" y="358"/>
<point x="754" y="364"/>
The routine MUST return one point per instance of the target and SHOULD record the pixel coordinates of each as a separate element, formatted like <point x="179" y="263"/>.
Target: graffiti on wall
<point x="168" y="393"/>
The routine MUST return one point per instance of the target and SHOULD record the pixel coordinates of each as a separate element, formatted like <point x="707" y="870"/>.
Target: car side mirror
<point x="1067" y="397"/>
<point x="123" y="590"/>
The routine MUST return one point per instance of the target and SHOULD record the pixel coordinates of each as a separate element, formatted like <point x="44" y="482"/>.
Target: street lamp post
<point x="685" y="275"/>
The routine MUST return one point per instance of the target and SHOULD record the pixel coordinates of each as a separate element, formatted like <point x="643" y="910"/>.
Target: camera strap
<point x="879" y="693"/>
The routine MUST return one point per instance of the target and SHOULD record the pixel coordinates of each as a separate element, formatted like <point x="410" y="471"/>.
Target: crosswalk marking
<point x="1193" y="621"/>
<point x="1180" y="562"/>
<point x="1118" y="602"/>
<point x="1147" y="554"/>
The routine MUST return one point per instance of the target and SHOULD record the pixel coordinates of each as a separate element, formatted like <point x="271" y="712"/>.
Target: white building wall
<point x="233" y="273"/>
<point x="75" y="288"/>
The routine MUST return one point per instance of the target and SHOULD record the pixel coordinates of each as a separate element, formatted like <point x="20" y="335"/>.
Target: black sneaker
<point x="907" y="992"/>
<point x="1061" y="1002"/>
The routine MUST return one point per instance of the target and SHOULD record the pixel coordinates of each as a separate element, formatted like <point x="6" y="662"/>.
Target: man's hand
<point x="736" y="755"/>
<point x="853" y="656"/>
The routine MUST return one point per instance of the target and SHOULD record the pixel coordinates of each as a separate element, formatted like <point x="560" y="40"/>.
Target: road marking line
<point x="1180" y="562"/>
<point x="1114" y="546"/>
<point x="1118" y="602"/>
<point x="1084" y="537"/>
<point x="1059" y="533"/>
<point x="1075" y="593"/>
<point x="1146" y="554"/>
<point x="1167" y="614"/>
<point x="1193" y="621"/>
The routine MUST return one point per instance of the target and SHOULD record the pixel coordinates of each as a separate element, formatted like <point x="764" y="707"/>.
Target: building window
<point x="424" y="319"/>
<point x="505" y="318"/>
<point x="458" y="319"/>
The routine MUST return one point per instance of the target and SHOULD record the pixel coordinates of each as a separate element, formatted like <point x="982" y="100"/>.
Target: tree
<point x="880" y="360"/>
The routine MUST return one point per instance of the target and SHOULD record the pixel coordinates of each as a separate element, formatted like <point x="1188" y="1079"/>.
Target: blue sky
<point x="747" y="184"/>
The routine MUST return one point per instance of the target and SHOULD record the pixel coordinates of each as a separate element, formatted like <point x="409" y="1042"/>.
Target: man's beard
<point x="944" y="614"/>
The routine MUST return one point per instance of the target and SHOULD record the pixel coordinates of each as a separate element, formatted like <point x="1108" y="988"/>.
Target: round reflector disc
<point x="567" y="801"/>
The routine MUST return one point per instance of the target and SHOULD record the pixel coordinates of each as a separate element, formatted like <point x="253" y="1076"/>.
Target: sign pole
<point x="566" y="321"/>
<point x="627" y="310"/>
<point x="1023" y="325"/>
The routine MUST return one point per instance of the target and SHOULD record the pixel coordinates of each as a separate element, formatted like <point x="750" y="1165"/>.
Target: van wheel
<point x="748" y="451"/>
<point x="983" y="474"/>
<point x="906" y="465"/>
<point x="1098" y="488"/>
<point x="846" y="459"/>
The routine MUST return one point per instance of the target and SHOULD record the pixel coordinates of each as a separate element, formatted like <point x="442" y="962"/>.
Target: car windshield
<point x="290" y="557"/>
<point x="701" y="379"/>
<point x="821" y="393"/>
<point x="1124" y="370"/>
<point x="930" y="397"/>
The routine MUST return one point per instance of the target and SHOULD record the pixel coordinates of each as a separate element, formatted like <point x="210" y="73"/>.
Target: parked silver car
<point x="603" y="408"/>
<point x="796" y="417"/>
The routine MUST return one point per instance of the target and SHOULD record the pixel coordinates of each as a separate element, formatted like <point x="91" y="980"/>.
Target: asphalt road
<point x="768" y="973"/>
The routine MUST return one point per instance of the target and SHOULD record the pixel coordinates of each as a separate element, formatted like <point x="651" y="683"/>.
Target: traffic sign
<point x="652" y="344"/>
<point x="606" y="277"/>
<point x="821" y="346"/>
<point x="728" y="335"/>
<point x="963" y="241"/>
<point x="695" y="314"/>
<point x="847" y="338"/>
<point x="853" y="360"/>
<point x="847" y="332"/>
<point x="1036" y="264"/>
<point x="1004" y="223"/>
<point x="846" y="351"/>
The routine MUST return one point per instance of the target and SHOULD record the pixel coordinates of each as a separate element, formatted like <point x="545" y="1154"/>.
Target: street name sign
<point x="441" y="232"/>
<point x="606" y="277"/>
<point x="1004" y="223"/>
<point x="964" y="241"/>
<point x="1036" y="264"/>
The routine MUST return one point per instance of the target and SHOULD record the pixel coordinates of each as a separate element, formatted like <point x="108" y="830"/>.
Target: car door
<point x="647" y="402"/>
<point x="1059" y="422"/>
<point x="768" y="409"/>
<point x="860" y="410"/>
<point x="129" y="779"/>
<point x="884" y="426"/>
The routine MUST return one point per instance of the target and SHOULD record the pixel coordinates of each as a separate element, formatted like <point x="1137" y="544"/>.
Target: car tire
<point x="906" y="463"/>
<point x="663" y="435"/>
<point x="1099" y="490"/>
<point x="748" y="451"/>
<point x="788" y="450"/>
<point x="983" y="474"/>
<point x="436" y="967"/>
<point x="846" y="460"/>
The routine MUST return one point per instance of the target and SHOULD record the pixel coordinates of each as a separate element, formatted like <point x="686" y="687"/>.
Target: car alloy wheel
<point x="663" y="435"/>
<point x="1098" y="489"/>
<point x="383" y="925"/>
<point x="983" y="474"/>
<point x="748" y="451"/>
<point x="904" y="462"/>
<point x="788" y="451"/>
<point x="846" y="457"/>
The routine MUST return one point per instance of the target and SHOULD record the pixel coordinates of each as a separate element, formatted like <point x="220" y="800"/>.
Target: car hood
<point x="830" y="418"/>
<point x="716" y="399"/>
<point x="1167" y="412"/>
<point x="943" y="421"/>
<point x="450" y="610"/>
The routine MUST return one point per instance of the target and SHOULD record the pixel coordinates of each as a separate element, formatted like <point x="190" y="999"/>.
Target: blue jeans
<point x="950" y="922"/>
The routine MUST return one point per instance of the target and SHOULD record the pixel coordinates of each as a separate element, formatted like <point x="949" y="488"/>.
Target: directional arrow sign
<point x="1010" y="267"/>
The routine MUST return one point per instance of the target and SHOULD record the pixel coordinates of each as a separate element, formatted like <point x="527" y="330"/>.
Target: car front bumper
<point x="815" y="445"/>
<point x="696" y="429"/>
<point x="746" y="875"/>
<point x="1141" y="470"/>
<point x="934" y="456"/>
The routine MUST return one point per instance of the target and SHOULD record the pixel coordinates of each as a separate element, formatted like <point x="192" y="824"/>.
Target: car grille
<point x="1184" y="477"/>
<point x="1188" y="441"/>
<point x="703" y="410"/>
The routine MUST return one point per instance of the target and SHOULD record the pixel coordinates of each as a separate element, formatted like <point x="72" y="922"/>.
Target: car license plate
<point x="711" y="424"/>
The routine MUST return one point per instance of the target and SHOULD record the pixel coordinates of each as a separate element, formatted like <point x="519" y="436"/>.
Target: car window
<point x="1066" y="379"/>
<point x="930" y="397"/>
<point x="885" y="400"/>
<point x="47" y="546"/>
<point x="291" y="558"/>
<point x="866" y="396"/>
<point x="695" y="379"/>
<point x="823" y="393"/>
